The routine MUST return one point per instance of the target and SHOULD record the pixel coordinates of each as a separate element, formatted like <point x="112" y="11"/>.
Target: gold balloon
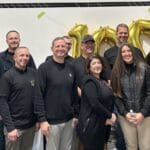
<point x="108" y="35"/>
<point x="136" y="29"/>
<point x="77" y="34"/>
<point x="104" y="35"/>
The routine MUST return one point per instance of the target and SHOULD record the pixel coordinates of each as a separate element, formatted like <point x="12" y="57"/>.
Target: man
<point x="68" y="41"/>
<point x="122" y="32"/>
<point x="7" y="61"/>
<point x="21" y="103"/>
<point x="58" y="86"/>
<point x="13" y="42"/>
<point x="87" y="47"/>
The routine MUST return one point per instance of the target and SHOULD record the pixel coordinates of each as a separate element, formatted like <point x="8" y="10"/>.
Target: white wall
<point x="37" y="34"/>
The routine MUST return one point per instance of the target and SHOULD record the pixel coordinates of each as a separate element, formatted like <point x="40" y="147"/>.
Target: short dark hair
<point x="56" y="39"/>
<point x="122" y="25"/>
<point x="89" y="60"/>
<point x="11" y="32"/>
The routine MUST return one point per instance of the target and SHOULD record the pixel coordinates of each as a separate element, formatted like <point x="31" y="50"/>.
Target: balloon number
<point x="108" y="35"/>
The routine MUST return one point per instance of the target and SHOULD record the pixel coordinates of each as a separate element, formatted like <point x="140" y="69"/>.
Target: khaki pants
<point x="60" y="136"/>
<point x="136" y="136"/>
<point x="23" y="142"/>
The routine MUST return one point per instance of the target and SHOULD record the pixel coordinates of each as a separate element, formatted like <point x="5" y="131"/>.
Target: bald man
<point x="21" y="104"/>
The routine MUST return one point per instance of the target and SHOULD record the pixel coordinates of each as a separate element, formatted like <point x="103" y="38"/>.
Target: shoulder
<point x="89" y="79"/>
<point x="32" y="70"/>
<point x="108" y="51"/>
<point x="11" y="73"/>
<point x="3" y="53"/>
<point x="78" y="59"/>
<point x="46" y="64"/>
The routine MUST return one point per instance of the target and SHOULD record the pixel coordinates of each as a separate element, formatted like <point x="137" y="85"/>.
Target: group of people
<point x="75" y="101"/>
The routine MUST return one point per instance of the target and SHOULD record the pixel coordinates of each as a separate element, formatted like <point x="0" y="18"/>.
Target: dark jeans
<point x="2" y="137"/>
<point x="120" y="143"/>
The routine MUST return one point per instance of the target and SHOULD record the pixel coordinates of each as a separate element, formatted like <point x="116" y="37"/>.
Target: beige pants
<point x="136" y="136"/>
<point x="23" y="142"/>
<point x="60" y="136"/>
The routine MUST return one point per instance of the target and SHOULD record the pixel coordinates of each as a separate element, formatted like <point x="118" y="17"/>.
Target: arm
<point x="120" y="106"/>
<point x="145" y="110"/>
<point x="42" y="79"/>
<point x="41" y="87"/>
<point x="39" y="109"/>
<point x="4" y="106"/>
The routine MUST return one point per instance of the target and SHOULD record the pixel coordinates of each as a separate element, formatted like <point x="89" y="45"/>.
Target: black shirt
<point x="58" y="86"/>
<point x="20" y="99"/>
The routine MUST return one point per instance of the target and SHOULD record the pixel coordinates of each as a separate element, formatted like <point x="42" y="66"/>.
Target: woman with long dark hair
<point x="97" y="101"/>
<point x="131" y="85"/>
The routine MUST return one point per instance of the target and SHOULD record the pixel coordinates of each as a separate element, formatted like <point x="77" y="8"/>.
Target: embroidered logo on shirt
<point x="32" y="82"/>
<point x="70" y="75"/>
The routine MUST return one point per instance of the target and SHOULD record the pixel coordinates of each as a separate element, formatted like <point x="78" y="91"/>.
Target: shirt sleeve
<point x="42" y="79"/>
<point x="39" y="108"/>
<point x="120" y="106"/>
<point x="4" y="106"/>
<point x="76" y="100"/>
<point x="146" y="90"/>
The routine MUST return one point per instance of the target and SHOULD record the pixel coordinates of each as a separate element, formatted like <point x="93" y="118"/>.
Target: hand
<point x="108" y="122"/>
<point x="13" y="135"/>
<point x="75" y="122"/>
<point x="79" y="91"/>
<point x="113" y="118"/>
<point x="139" y="118"/>
<point x="45" y="127"/>
<point x="131" y="118"/>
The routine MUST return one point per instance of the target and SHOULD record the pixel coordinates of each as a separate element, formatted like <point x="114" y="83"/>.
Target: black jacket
<point x="96" y="106"/>
<point x="135" y="90"/>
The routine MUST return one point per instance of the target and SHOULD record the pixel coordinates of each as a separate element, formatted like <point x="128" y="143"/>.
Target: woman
<point x="96" y="106"/>
<point x="131" y="84"/>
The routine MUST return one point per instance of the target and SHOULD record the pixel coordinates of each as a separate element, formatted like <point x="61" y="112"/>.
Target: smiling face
<point x="13" y="40"/>
<point x="59" y="49"/>
<point x="69" y="42"/>
<point x="21" y="57"/>
<point x="87" y="48"/>
<point x="126" y="54"/>
<point x="95" y="67"/>
<point x="122" y="34"/>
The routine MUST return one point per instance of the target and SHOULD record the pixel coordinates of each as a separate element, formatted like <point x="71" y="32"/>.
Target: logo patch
<point x="32" y="82"/>
<point x="70" y="75"/>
